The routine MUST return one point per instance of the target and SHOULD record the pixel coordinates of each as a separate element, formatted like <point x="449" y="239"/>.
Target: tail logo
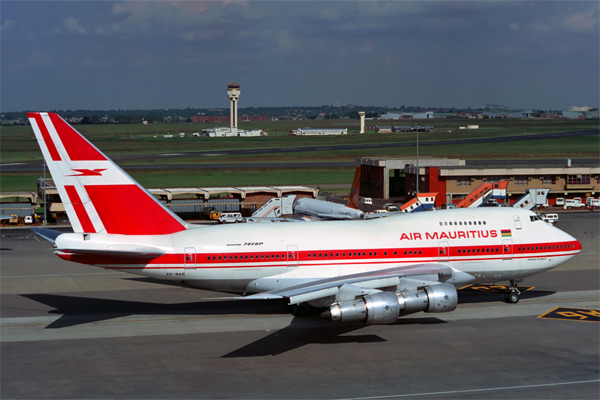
<point x="88" y="172"/>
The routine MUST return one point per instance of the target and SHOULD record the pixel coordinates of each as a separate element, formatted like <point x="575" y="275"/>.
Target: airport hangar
<point x="382" y="178"/>
<point x="188" y="203"/>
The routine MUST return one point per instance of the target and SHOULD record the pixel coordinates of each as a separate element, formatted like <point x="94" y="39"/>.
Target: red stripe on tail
<point x="128" y="210"/>
<point x="82" y="215"/>
<point x="46" y="136"/>
<point x="78" y="148"/>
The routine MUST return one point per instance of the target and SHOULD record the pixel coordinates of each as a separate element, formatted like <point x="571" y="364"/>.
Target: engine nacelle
<point x="386" y="307"/>
<point x="378" y="308"/>
<point x="434" y="299"/>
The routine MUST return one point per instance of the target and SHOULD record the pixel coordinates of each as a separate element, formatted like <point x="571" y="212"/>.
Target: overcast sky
<point x="176" y="54"/>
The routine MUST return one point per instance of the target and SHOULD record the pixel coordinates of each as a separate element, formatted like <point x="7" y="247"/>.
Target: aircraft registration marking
<point x="573" y="314"/>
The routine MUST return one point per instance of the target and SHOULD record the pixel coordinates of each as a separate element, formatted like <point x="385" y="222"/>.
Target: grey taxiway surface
<point x="74" y="331"/>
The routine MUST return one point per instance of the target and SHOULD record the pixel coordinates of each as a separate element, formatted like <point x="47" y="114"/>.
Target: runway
<point x="75" y="331"/>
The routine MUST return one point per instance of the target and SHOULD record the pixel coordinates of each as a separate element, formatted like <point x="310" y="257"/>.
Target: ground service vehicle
<point x="370" y="271"/>
<point x="590" y="201"/>
<point x="228" y="218"/>
<point x="574" y="203"/>
<point x="550" y="218"/>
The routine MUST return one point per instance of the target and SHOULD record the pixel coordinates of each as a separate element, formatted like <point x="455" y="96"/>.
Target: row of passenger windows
<point x="359" y="254"/>
<point x="248" y="257"/>
<point x="553" y="247"/>
<point x="486" y="250"/>
<point x="445" y="223"/>
<point x="385" y="253"/>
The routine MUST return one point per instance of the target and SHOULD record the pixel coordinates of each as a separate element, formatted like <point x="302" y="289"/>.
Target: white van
<point x="574" y="203"/>
<point x="366" y="200"/>
<point x="592" y="201"/>
<point x="550" y="218"/>
<point x="560" y="201"/>
<point x="229" y="218"/>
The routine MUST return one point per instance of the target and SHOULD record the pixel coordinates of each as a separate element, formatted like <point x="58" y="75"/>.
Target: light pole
<point x="417" y="192"/>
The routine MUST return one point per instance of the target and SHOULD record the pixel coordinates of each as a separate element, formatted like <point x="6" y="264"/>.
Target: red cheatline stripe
<point x="82" y="216"/>
<point x="46" y="136"/>
<point x="428" y="255"/>
<point x="77" y="147"/>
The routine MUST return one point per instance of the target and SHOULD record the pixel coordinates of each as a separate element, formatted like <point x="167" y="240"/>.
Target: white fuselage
<point x="488" y="244"/>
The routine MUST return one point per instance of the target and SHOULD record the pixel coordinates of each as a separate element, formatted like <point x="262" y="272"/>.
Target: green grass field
<point x="203" y="178"/>
<point x="18" y="144"/>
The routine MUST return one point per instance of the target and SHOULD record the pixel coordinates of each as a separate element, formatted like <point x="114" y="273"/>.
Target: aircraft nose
<point x="578" y="246"/>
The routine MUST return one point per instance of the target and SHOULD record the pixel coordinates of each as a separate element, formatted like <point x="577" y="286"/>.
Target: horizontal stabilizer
<point x="48" y="234"/>
<point x="113" y="253"/>
<point x="120" y="252"/>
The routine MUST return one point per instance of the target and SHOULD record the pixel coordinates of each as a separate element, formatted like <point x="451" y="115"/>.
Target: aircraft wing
<point x="330" y="286"/>
<point x="333" y="216"/>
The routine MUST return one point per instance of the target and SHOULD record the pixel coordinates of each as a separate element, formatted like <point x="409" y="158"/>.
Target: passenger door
<point x="292" y="257"/>
<point x="507" y="253"/>
<point x="443" y="252"/>
<point x="189" y="258"/>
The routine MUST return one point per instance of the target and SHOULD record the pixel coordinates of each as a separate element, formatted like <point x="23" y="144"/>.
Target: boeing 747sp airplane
<point x="372" y="271"/>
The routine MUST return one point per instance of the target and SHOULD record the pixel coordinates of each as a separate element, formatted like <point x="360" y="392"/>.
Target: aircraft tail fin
<point x="354" y="192"/>
<point x="98" y="196"/>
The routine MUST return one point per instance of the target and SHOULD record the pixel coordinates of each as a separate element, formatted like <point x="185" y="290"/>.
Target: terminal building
<point x="188" y="203"/>
<point x="453" y="179"/>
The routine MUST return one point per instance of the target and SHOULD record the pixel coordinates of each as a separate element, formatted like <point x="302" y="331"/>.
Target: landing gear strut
<point x="512" y="296"/>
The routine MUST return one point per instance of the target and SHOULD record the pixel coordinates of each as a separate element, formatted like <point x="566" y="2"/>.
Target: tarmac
<point x="71" y="331"/>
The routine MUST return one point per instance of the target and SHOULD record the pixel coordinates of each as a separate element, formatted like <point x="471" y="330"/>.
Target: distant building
<point x="516" y="114"/>
<point x="319" y="131"/>
<point x="229" y="132"/>
<point x="414" y="128"/>
<point x="453" y="179"/>
<point x="384" y="129"/>
<point x="425" y="115"/>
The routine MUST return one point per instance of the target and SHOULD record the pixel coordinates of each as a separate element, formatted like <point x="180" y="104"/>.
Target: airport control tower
<point x="233" y="92"/>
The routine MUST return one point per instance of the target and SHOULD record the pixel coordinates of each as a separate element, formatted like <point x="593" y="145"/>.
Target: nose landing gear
<point x="512" y="296"/>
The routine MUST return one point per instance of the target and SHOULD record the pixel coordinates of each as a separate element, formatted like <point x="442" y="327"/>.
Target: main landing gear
<point x="512" y="296"/>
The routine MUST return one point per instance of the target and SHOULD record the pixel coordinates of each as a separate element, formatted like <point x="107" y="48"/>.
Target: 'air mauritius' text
<point x="475" y="234"/>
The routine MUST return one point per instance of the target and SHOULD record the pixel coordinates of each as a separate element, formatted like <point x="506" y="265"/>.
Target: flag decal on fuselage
<point x="506" y="233"/>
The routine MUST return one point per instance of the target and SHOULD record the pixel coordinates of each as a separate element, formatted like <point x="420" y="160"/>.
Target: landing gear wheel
<point x="511" y="297"/>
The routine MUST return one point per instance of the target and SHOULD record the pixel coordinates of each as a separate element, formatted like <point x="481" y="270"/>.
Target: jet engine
<point x="386" y="307"/>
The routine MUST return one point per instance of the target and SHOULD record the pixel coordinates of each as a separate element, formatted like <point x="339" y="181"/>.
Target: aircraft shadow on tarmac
<point x="472" y="297"/>
<point x="305" y="331"/>
<point x="83" y="310"/>
<point x="301" y="331"/>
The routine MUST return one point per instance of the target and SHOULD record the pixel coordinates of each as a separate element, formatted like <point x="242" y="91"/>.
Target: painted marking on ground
<point x="490" y="288"/>
<point x="573" y="314"/>
<point x="475" y="390"/>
